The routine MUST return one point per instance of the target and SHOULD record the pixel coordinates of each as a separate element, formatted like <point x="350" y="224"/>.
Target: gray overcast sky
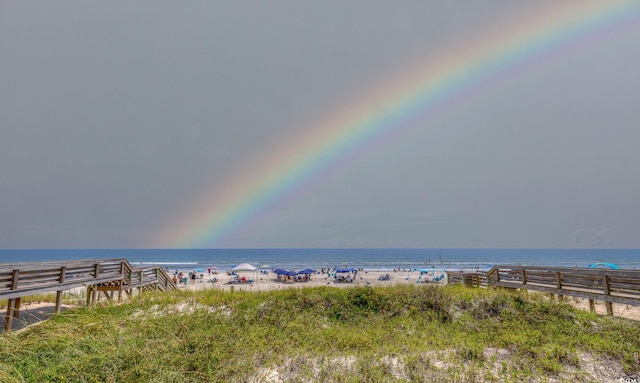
<point x="115" y="116"/>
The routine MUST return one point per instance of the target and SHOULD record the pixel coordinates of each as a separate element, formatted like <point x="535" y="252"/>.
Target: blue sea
<point x="186" y="259"/>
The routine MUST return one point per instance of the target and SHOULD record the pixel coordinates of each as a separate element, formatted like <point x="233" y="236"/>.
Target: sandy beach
<point x="268" y="280"/>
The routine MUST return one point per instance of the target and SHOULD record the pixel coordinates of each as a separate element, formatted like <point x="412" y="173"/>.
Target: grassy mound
<point x="401" y="333"/>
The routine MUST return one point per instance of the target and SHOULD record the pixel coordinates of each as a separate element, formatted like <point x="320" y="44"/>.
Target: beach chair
<point x="438" y="278"/>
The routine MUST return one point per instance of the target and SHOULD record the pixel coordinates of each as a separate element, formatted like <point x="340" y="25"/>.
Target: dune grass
<point x="400" y="333"/>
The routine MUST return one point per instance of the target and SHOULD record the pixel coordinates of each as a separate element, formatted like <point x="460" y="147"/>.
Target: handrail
<point x="18" y="280"/>
<point x="608" y="285"/>
<point x="491" y="273"/>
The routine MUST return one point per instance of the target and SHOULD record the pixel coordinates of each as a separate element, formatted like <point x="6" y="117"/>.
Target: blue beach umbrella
<point x="306" y="271"/>
<point x="606" y="264"/>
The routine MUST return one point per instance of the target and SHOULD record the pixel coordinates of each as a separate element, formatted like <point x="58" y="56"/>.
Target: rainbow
<point x="390" y="109"/>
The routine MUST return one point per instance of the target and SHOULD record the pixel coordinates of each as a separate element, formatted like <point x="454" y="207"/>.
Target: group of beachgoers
<point x="293" y="278"/>
<point x="275" y="276"/>
<point x="193" y="277"/>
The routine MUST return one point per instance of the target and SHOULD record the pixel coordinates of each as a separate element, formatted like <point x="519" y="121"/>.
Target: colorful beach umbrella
<point x="606" y="264"/>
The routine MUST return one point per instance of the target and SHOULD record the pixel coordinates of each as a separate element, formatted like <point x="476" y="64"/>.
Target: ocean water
<point x="186" y="259"/>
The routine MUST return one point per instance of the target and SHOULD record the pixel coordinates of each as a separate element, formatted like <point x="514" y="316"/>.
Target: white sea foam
<point x="165" y="263"/>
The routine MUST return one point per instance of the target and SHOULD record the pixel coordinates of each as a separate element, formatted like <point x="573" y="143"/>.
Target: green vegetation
<point x="401" y="333"/>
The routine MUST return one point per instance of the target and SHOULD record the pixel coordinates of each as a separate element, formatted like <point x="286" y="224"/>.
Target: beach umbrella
<point x="265" y="267"/>
<point x="606" y="264"/>
<point x="306" y="271"/>
<point x="244" y="267"/>
<point x="346" y="270"/>
<point x="290" y="273"/>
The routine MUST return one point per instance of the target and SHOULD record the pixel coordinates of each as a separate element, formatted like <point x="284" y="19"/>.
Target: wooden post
<point x="89" y="292"/>
<point x="59" y="292"/>
<point x="559" y="285"/>
<point x="94" y="290"/>
<point x="16" y="309"/>
<point x="592" y="306"/>
<point x="13" y="311"/>
<point x="129" y="291"/>
<point x="9" y="317"/>
<point x="13" y="305"/>
<point x="122" y="270"/>
<point x="608" y="305"/>
<point x="524" y="276"/>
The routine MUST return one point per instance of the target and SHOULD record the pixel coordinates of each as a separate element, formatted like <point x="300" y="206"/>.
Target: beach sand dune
<point x="268" y="282"/>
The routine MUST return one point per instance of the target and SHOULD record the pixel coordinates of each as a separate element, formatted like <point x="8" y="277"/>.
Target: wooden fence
<point x="608" y="285"/>
<point x="474" y="278"/>
<point x="18" y="280"/>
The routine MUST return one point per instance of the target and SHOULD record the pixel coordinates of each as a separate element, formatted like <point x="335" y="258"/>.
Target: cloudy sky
<point x="117" y="117"/>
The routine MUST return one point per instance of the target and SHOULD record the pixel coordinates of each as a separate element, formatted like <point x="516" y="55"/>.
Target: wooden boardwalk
<point x="108" y="276"/>
<point x="607" y="285"/>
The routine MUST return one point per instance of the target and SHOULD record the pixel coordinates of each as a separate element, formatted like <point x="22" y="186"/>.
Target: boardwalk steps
<point x="607" y="285"/>
<point x="108" y="276"/>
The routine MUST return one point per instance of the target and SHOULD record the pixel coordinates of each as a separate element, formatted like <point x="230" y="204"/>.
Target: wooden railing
<point x="18" y="280"/>
<point x="608" y="285"/>
<point x="474" y="278"/>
